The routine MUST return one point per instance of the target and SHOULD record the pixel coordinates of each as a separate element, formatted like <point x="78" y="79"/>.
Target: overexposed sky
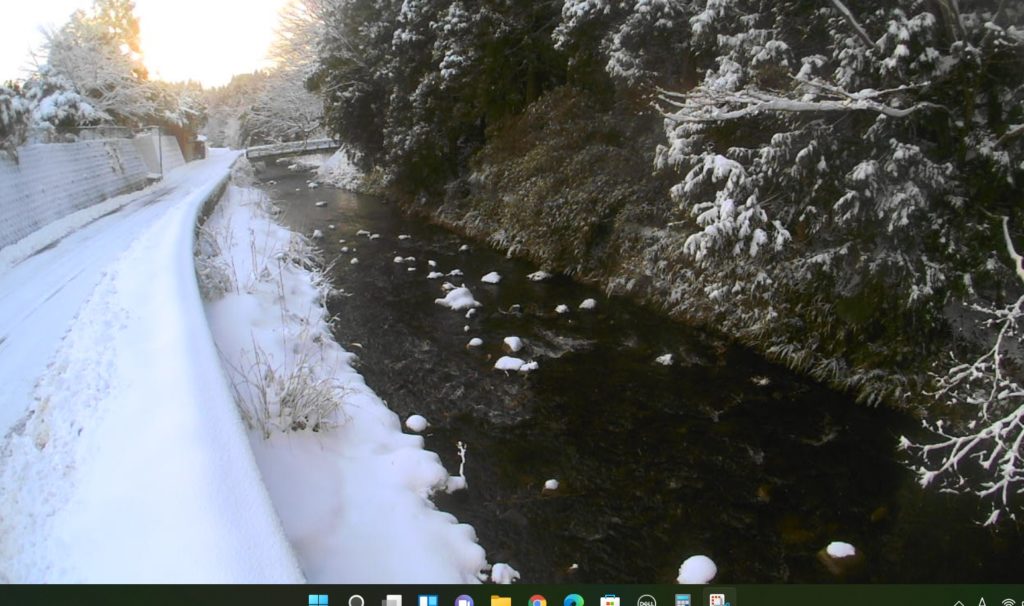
<point x="205" y="40"/>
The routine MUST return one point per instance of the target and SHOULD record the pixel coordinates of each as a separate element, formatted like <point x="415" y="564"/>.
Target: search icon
<point x="356" y="600"/>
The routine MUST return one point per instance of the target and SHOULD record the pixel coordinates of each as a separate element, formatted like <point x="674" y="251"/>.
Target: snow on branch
<point x="984" y="457"/>
<point x="706" y="105"/>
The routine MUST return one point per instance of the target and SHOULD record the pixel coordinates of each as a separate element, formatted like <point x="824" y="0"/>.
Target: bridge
<point x="269" y="153"/>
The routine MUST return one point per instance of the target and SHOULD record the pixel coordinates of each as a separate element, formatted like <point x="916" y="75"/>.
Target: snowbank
<point x="352" y="490"/>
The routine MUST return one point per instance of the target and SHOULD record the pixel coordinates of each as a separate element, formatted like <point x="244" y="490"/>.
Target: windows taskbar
<point x="514" y="595"/>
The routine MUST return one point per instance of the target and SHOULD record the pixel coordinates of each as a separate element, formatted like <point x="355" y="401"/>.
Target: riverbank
<point x="570" y="184"/>
<point x="353" y="492"/>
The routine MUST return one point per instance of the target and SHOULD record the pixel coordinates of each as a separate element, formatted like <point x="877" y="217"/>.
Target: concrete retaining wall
<point x="151" y="154"/>
<point x="53" y="180"/>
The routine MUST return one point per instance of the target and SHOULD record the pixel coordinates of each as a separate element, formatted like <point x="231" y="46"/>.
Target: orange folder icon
<point x="497" y="600"/>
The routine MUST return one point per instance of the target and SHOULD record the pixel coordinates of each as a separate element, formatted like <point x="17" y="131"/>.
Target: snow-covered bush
<point x="57" y="104"/>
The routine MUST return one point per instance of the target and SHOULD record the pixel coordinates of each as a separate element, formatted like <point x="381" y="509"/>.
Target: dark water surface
<point x="723" y="453"/>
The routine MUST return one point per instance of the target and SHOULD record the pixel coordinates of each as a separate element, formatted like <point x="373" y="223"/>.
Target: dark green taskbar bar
<point x="513" y="595"/>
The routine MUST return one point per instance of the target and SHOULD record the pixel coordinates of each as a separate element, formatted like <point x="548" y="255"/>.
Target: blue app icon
<point x="573" y="599"/>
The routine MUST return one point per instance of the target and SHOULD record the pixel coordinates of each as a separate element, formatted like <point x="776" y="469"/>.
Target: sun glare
<point x="206" y="41"/>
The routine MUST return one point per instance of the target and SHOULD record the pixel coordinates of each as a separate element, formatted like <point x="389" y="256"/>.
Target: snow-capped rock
<point x="458" y="299"/>
<point x="508" y="363"/>
<point x="839" y="549"/>
<point x="539" y="276"/>
<point x="697" y="570"/>
<point x="588" y="304"/>
<point x="416" y="423"/>
<point x="503" y="574"/>
<point x="491" y="278"/>
<point x="512" y="344"/>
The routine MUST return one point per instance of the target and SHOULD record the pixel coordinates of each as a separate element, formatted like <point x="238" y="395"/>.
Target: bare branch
<point x="1018" y="261"/>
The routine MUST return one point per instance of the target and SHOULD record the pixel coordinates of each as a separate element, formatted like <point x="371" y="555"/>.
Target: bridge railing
<point x="290" y="148"/>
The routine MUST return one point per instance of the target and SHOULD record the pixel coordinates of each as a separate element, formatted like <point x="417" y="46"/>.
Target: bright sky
<point x="205" y="40"/>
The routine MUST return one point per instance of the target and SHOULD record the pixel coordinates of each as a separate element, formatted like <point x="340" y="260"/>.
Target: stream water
<point x="721" y="453"/>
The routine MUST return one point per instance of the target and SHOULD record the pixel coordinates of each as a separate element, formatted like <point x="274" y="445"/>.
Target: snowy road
<point x="40" y="296"/>
<point x="124" y="458"/>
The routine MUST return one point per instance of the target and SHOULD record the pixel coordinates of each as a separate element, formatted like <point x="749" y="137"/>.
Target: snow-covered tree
<point x="14" y="118"/>
<point x="832" y="163"/>
<point x="96" y="52"/>
<point x="979" y="440"/>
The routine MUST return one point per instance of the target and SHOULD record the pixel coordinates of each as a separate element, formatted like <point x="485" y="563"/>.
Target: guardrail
<point x="291" y="148"/>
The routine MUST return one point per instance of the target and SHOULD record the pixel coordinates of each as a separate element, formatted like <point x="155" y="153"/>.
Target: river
<point x="721" y="453"/>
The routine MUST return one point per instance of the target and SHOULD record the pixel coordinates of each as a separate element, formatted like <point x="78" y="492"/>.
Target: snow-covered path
<point x="131" y="464"/>
<point x="40" y="295"/>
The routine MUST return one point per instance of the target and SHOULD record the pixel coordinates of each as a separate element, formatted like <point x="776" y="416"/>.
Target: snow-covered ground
<point x="124" y="458"/>
<point x="353" y="491"/>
